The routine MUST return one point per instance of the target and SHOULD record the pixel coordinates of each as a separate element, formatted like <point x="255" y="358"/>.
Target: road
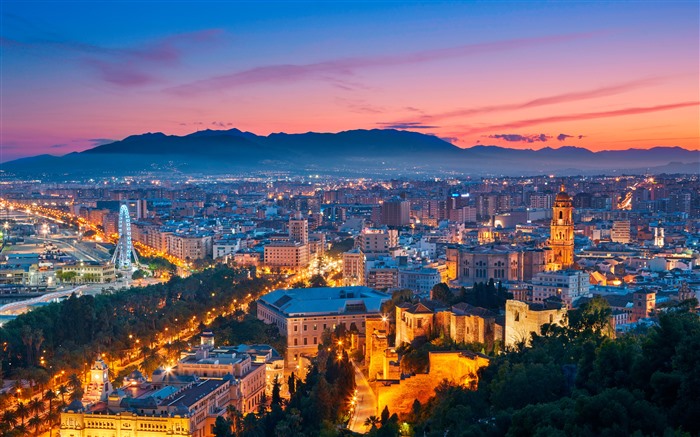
<point x="366" y="403"/>
<point x="21" y="307"/>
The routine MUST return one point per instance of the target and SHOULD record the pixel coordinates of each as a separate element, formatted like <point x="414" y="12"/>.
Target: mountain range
<point x="354" y="152"/>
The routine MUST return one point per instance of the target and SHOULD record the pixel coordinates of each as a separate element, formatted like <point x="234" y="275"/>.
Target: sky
<point x="599" y="75"/>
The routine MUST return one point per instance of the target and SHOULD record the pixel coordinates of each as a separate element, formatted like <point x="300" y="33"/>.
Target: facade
<point x="568" y="285"/>
<point x="419" y="280"/>
<point x="381" y="275"/>
<point x="77" y="423"/>
<point x="189" y="247"/>
<point x="470" y="324"/>
<point x="91" y="271"/>
<point x="644" y="304"/>
<point x="413" y="321"/>
<point x="522" y="319"/>
<point x="225" y="247"/>
<point x="302" y="314"/>
<point x="469" y="265"/>
<point x="462" y="323"/>
<point x="375" y="242"/>
<point x="287" y="255"/>
<point x="299" y="229"/>
<point x="354" y="268"/>
<point x="396" y="213"/>
<point x="561" y="237"/>
<point x="620" y="232"/>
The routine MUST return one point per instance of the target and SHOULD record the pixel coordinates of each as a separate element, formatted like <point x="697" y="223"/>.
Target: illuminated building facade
<point x="561" y="238"/>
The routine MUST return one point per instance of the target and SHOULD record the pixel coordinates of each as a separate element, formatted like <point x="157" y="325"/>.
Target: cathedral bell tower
<point x="561" y="238"/>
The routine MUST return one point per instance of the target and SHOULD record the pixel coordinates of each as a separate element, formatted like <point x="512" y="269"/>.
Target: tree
<point x="35" y="422"/>
<point x="372" y="421"/>
<point x="76" y="387"/>
<point x="441" y="292"/>
<point x="384" y="417"/>
<point x="36" y="406"/>
<point x="291" y="383"/>
<point x="9" y="417"/>
<point x="62" y="391"/>
<point x="318" y="281"/>
<point x="276" y="386"/>
<point x="222" y="427"/>
<point x="21" y="411"/>
<point x="138" y="274"/>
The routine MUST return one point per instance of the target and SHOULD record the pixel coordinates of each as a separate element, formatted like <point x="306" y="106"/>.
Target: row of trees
<point x="38" y="413"/>
<point x="577" y="380"/>
<point x="487" y="295"/>
<point x="70" y="334"/>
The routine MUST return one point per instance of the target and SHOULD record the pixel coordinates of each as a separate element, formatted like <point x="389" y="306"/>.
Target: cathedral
<point x="561" y="238"/>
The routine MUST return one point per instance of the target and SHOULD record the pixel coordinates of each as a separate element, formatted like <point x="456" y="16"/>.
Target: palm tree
<point x="50" y="396"/>
<point x="10" y="418"/>
<point x="63" y="390"/>
<point x="21" y="430"/>
<point x="372" y="421"/>
<point x="35" y="422"/>
<point x="36" y="406"/>
<point x="22" y="411"/>
<point x="76" y="387"/>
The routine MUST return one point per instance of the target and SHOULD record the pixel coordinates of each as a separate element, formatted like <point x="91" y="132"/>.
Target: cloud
<point x="58" y="146"/>
<point x="451" y="140"/>
<point x="345" y="67"/>
<point x="122" y="66"/>
<point x="581" y="116"/>
<point x="548" y="100"/>
<point x="563" y="137"/>
<point x="100" y="141"/>
<point x="221" y="124"/>
<point x="517" y="138"/>
<point x="406" y="125"/>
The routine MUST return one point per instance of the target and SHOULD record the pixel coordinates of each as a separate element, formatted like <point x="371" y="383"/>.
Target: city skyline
<point x="599" y="76"/>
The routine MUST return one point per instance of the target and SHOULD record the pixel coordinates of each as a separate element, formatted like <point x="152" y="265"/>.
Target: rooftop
<point x="325" y="300"/>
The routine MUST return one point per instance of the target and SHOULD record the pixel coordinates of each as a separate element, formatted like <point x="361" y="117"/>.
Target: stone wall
<point x="457" y="367"/>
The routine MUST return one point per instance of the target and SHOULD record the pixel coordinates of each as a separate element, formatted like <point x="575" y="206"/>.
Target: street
<point x="366" y="403"/>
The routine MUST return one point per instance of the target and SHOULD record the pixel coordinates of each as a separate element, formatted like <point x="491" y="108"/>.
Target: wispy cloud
<point x="100" y="141"/>
<point x="406" y="125"/>
<point x="58" y="146"/>
<point x="122" y="66"/>
<point x="344" y="67"/>
<point x="581" y="116"/>
<point x="569" y="97"/>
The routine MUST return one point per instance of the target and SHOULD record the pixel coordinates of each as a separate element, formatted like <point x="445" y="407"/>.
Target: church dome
<point x="562" y="195"/>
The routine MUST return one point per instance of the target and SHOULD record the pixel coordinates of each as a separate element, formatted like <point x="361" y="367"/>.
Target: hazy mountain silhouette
<point x="357" y="151"/>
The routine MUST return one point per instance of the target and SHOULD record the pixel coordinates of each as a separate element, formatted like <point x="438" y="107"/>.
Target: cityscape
<point x="406" y="219"/>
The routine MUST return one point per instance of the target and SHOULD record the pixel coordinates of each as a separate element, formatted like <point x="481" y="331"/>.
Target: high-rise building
<point x="620" y="232"/>
<point x="299" y="229"/>
<point x="354" y="267"/>
<point x="396" y="212"/>
<point x="561" y="237"/>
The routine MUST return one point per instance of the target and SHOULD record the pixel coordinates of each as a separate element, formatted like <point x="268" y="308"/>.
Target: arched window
<point x="561" y="215"/>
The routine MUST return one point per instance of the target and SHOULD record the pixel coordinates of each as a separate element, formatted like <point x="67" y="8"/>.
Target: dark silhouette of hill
<point x="376" y="151"/>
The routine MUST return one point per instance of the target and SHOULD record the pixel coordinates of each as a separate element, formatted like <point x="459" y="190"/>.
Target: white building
<point x="420" y="280"/>
<point x="568" y="285"/>
<point x="620" y="232"/>
<point x="377" y="241"/>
